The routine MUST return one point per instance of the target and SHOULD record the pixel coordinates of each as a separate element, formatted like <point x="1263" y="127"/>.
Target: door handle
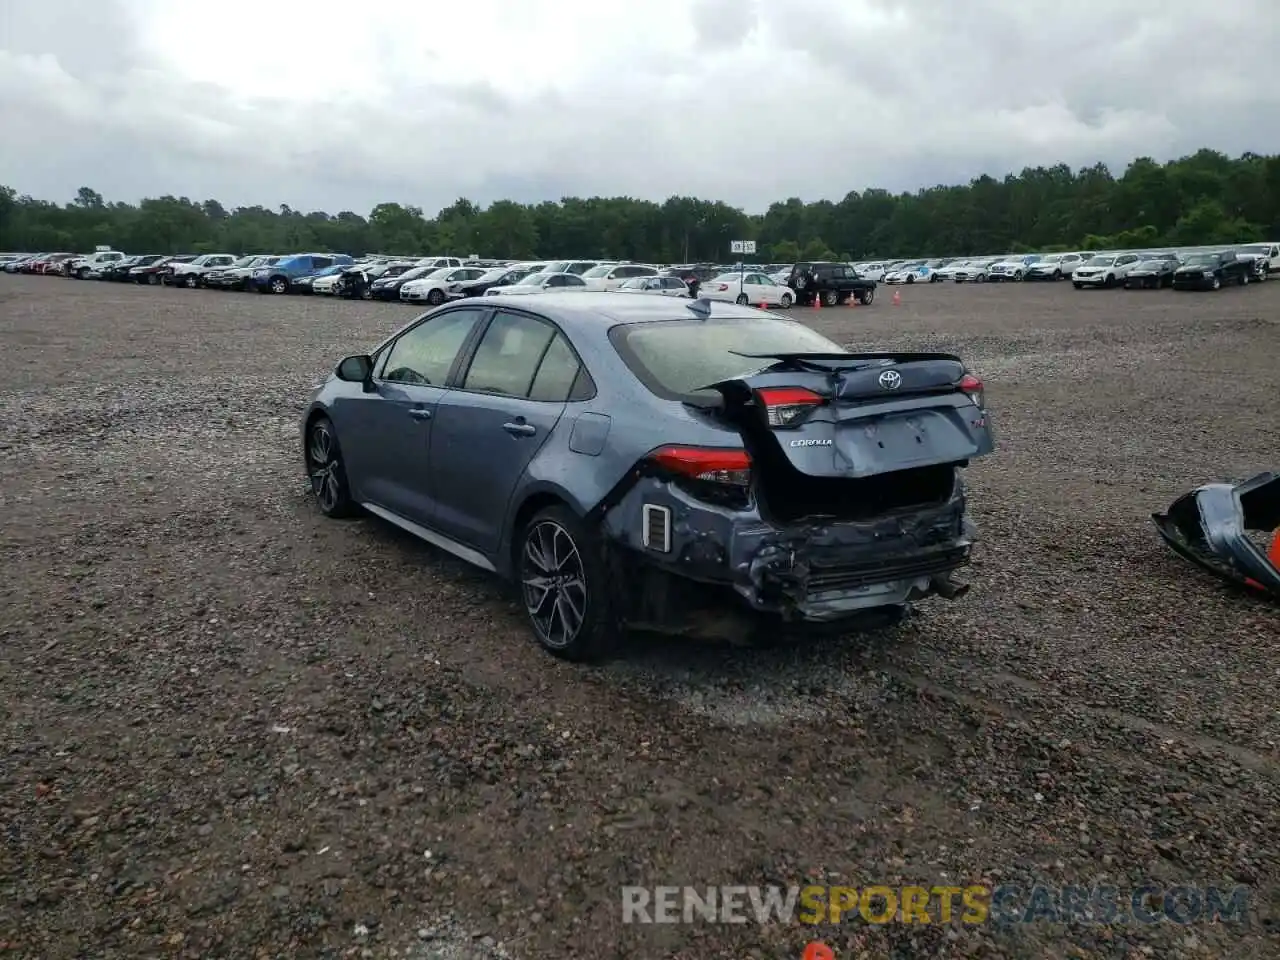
<point x="520" y="429"/>
<point x="420" y="413"/>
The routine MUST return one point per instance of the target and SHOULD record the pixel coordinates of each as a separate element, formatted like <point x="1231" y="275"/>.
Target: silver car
<point x="640" y="461"/>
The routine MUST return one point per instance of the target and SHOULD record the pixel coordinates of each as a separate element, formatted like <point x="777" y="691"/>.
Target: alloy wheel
<point x="323" y="466"/>
<point x="554" y="584"/>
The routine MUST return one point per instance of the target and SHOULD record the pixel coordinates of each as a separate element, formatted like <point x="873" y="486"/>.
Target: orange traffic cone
<point x="853" y="300"/>
<point x="897" y="298"/>
<point x="817" y="301"/>
<point x="764" y="304"/>
<point x="1274" y="553"/>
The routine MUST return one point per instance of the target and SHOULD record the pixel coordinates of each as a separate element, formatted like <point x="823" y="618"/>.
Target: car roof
<point x="585" y="311"/>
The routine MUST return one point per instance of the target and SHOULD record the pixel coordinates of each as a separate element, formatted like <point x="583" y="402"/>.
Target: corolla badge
<point x="890" y="380"/>
<point x="810" y="443"/>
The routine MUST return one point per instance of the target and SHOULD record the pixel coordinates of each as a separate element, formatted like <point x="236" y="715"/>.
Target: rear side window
<point x="675" y="358"/>
<point x="560" y="376"/>
<point x="508" y="355"/>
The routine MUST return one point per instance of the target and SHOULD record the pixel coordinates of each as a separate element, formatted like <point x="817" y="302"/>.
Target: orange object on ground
<point x="897" y="298"/>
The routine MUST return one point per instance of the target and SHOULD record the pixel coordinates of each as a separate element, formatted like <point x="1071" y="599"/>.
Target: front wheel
<point x="435" y="297"/>
<point x="1057" y="275"/>
<point x="1109" y="282"/>
<point x="564" y="586"/>
<point x="1077" y="284"/>
<point x="866" y="296"/>
<point x="980" y="278"/>
<point x="1217" y="283"/>
<point x="327" y="471"/>
<point x="1017" y="275"/>
<point x="786" y="301"/>
<point x="192" y="281"/>
<point x="83" y="273"/>
<point x="911" y="278"/>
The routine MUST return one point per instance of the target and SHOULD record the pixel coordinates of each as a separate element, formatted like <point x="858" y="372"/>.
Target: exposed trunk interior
<point x="786" y="495"/>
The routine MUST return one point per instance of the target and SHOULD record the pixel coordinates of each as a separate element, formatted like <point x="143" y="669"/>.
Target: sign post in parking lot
<point x="745" y="248"/>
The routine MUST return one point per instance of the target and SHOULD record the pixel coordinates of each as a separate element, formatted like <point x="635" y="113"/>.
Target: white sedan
<point x="439" y="285"/>
<point x="540" y="283"/>
<point x="752" y="288"/>
<point x="660" y="286"/>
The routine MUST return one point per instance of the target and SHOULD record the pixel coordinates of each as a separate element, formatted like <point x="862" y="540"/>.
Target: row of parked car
<point x="1193" y="268"/>
<point x="432" y="280"/>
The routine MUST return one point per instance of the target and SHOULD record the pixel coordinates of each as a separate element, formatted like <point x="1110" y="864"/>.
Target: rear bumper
<point x="1210" y="527"/>
<point x="805" y="573"/>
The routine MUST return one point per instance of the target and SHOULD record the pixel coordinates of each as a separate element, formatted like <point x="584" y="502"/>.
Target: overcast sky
<point x="340" y="105"/>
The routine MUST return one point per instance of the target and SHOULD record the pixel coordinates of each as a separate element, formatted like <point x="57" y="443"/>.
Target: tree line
<point x="1204" y="198"/>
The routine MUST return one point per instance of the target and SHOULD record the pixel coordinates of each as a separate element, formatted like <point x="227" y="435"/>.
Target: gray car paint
<point x="441" y="463"/>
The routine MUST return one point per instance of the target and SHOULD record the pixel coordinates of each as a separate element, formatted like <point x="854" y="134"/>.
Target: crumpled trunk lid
<point x="871" y="413"/>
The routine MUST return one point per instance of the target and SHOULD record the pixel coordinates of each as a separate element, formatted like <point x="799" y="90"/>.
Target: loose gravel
<point x="234" y="728"/>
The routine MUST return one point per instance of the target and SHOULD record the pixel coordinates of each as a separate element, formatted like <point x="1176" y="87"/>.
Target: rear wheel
<point x="564" y="586"/>
<point x="279" y="285"/>
<point x="830" y="298"/>
<point x="786" y="301"/>
<point x="866" y="296"/>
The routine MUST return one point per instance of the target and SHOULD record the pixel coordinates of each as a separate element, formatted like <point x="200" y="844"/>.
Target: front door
<point x="392" y="438"/>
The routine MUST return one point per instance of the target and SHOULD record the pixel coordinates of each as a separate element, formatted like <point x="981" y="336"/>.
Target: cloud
<point x="340" y="107"/>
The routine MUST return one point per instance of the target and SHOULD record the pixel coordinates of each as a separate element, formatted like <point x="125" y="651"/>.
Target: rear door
<point x="858" y="415"/>
<point x="491" y="426"/>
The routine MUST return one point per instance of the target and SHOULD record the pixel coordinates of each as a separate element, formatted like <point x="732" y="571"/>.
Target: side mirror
<point x="357" y="369"/>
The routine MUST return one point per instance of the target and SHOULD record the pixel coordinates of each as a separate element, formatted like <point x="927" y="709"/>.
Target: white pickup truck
<point x="191" y="273"/>
<point x="1265" y="257"/>
<point x="82" y="268"/>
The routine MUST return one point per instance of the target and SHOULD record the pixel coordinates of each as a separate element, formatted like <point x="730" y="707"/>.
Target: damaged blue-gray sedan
<point x="636" y="462"/>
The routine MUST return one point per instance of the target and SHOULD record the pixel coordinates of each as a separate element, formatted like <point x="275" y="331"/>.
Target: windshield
<point x="1202" y="258"/>
<point x="677" y="357"/>
<point x="557" y="266"/>
<point x="600" y="271"/>
<point x="532" y="280"/>
<point x="635" y="283"/>
<point x="1256" y="248"/>
<point x="491" y="275"/>
<point x="1052" y="258"/>
<point x="1100" y="261"/>
<point x="244" y="262"/>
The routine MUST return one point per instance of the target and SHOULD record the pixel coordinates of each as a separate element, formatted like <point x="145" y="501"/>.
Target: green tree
<point x="1204" y="198"/>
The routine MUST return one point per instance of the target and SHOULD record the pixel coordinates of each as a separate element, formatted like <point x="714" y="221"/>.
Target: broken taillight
<point x="787" y="406"/>
<point x="708" y="464"/>
<point x="971" y="387"/>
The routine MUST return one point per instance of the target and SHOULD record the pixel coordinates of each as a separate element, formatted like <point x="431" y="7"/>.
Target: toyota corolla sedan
<point x="647" y="461"/>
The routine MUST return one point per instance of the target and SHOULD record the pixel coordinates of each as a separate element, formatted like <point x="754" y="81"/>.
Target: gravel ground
<point x="233" y="728"/>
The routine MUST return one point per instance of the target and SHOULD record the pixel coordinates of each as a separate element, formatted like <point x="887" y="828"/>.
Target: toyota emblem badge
<point x="890" y="380"/>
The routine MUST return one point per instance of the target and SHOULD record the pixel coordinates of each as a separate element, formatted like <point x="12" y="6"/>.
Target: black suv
<point x="835" y="283"/>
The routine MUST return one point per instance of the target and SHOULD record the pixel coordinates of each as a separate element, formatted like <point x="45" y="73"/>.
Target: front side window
<point x="425" y="354"/>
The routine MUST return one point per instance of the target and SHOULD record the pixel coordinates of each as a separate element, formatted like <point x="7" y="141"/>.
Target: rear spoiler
<point x="838" y="361"/>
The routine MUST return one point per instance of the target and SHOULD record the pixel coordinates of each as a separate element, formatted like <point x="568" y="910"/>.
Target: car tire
<point x="911" y="278"/>
<point x="1244" y="279"/>
<point x="435" y="297"/>
<point x="327" y="471"/>
<point x="741" y="300"/>
<point x="1217" y="284"/>
<point x="830" y="298"/>
<point x="866" y="296"/>
<point x="1077" y="284"/>
<point x="278" y="285"/>
<point x="82" y="273"/>
<point x="562" y="578"/>
<point x="191" y="281"/>
<point x="786" y="301"/>
<point x="1057" y="275"/>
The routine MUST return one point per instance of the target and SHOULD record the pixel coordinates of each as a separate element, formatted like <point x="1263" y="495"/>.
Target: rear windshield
<point x="675" y="358"/>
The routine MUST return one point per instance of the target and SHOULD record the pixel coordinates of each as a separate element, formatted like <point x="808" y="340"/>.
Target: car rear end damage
<point x="1213" y="527"/>
<point x="837" y="489"/>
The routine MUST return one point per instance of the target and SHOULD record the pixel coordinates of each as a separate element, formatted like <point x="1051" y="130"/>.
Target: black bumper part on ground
<point x="1210" y="526"/>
